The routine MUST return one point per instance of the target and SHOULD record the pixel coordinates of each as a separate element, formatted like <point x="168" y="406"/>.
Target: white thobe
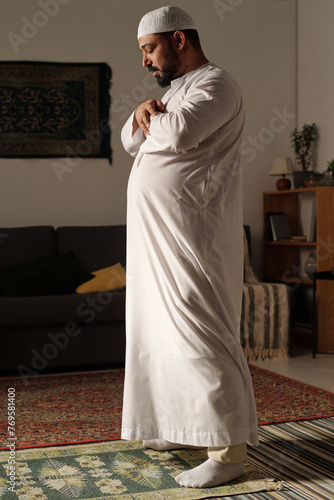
<point x="186" y="378"/>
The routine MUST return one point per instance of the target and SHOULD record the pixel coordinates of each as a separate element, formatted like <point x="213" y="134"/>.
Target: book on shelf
<point x="280" y="226"/>
<point x="312" y="236"/>
<point x="269" y="235"/>
<point x="299" y="238"/>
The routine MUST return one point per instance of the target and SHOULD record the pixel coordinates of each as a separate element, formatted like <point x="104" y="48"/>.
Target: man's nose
<point x="146" y="61"/>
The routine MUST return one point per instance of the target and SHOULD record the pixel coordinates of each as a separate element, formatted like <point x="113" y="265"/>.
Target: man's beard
<point x="169" y="69"/>
<point x="165" y="79"/>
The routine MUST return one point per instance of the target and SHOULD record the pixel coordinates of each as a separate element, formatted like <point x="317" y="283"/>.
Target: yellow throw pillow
<point x="109" y="278"/>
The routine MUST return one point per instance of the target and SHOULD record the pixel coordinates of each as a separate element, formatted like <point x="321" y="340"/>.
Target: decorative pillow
<point x="109" y="278"/>
<point x="51" y="275"/>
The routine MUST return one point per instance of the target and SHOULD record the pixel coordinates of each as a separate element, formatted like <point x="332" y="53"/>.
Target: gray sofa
<point x="47" y="332"/>
<point x="44" y="333"/>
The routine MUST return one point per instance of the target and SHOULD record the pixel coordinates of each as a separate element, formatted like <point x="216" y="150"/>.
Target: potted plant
<point x="329" y="173"/>
<point x="330" y="166"/>
<point x="302" y="140"/>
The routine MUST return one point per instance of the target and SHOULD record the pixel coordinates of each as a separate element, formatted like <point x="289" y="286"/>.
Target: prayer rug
<point x="115" y="470"/>
<point x="295" y="461"/>
<point x="54" y="110"/>
<point x="81" y="408"/>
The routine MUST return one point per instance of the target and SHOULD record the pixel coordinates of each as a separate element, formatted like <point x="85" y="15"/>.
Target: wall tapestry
<point x="54" y="110"/>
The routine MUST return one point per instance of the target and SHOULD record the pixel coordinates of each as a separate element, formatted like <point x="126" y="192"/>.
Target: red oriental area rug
<point x="83" y="408"/>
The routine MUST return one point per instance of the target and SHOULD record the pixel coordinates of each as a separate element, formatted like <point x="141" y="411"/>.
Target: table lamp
<point x="282" y="167"/>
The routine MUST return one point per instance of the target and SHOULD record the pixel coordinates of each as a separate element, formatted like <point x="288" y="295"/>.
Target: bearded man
<point x="187" y="382"/>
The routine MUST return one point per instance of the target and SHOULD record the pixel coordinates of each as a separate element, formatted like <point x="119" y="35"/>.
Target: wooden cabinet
<point x="282" y="260"/>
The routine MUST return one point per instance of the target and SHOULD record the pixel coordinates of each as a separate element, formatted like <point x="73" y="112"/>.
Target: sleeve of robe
<point x="205" y="108"/>
<point x="132" y="143"/>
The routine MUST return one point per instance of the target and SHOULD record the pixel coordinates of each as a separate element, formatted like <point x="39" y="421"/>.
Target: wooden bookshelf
<point x="282" y="259"/>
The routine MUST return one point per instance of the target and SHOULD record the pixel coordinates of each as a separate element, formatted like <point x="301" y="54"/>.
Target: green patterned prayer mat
<point x="114" y="470"/>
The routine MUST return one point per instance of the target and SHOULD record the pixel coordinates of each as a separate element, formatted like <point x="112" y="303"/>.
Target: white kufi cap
<point x="163" y="20"/>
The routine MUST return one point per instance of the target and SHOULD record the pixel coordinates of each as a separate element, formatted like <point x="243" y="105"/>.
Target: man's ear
<point x="180" y="39"/>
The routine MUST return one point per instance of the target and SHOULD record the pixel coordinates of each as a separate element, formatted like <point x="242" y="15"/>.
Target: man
<point x="187" y="382"/>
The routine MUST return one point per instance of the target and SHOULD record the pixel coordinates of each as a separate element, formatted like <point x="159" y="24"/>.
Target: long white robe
<point x="187" y="380"/>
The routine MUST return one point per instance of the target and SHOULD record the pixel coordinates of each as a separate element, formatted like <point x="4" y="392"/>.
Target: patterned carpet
<point x="299" y="453"/>
<point x="295" y="461"/>
<point x="83" y="408"/>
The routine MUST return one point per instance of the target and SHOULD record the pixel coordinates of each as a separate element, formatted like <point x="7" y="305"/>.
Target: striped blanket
<point x="265" y="319"/>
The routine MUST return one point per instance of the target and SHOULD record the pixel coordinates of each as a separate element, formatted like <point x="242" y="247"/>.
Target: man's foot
<point x="162" y="445"/>
<point x="210" y="474"/>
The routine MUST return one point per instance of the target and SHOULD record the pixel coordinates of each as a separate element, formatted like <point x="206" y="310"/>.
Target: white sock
<point x="162" y="445"/>
<point x="210" y="474"/>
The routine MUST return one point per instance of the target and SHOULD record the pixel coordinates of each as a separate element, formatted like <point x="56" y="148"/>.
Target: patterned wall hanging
<point x="54" y="110"/>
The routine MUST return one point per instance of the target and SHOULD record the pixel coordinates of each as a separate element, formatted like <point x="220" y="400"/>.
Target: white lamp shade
<point x="282" y="166"/>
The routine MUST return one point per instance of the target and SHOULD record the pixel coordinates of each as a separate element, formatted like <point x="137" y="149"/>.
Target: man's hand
<point x="144" y="112"/>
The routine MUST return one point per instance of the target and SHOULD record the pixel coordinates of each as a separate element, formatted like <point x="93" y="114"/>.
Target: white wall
<point x="316" y="73"/>
<point x="253" y="39"/>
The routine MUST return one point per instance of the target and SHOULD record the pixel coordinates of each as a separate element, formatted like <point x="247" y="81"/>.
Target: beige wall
<point x="316" y="73"/>
<point x="253" y="39"/>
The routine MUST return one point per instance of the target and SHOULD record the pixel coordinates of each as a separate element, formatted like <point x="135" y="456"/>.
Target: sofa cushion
<point x="54" y="274"/>
<point x="20" y="244"/>
<point x="95" y="246"/>
<point x="109" y="278"/>
<point x="62" y="310"/>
